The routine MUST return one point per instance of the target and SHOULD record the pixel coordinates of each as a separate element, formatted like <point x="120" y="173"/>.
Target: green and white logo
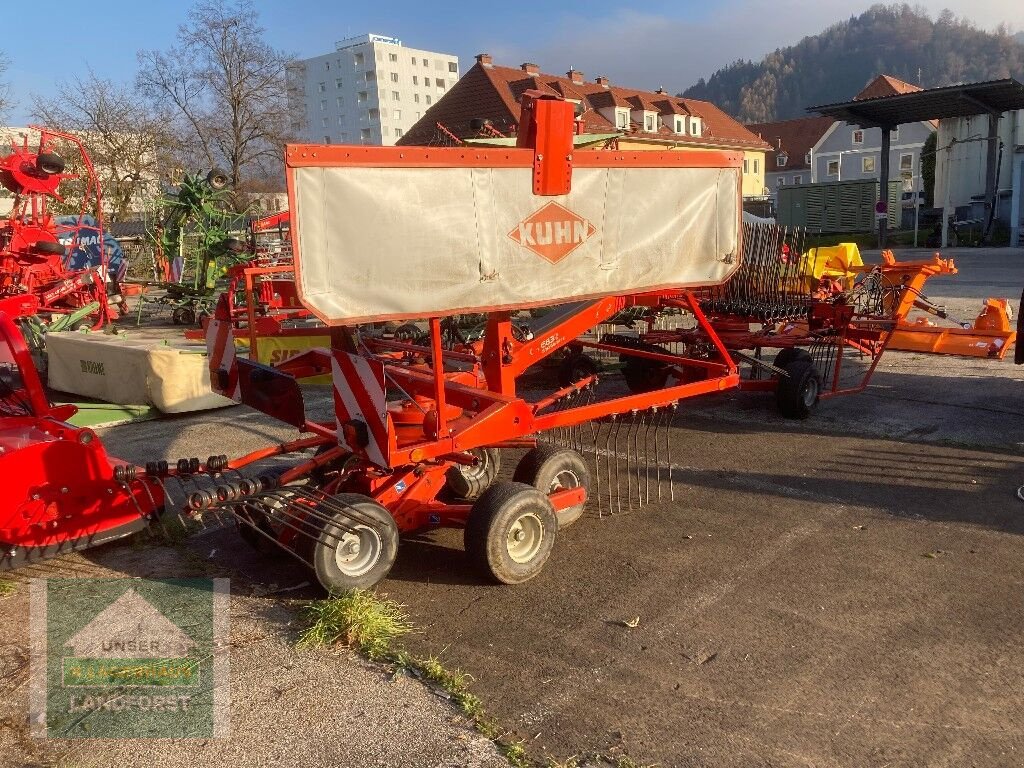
<point x="130" y="658"/>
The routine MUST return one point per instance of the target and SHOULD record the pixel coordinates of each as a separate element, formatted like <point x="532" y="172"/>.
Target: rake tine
<point x="638" y="417"/>
<point x="615" y="455"/>
<point x="668" y="447"/>
<point x="657" y="447"/>
<point x="608" y="460"/>
<point x="647" y="456"/>
<point x="597" y="468"/>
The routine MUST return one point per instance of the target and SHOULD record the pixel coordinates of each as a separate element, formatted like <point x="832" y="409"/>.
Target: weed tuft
<point x="7" y="587"/>
<point x="361" y="620"/>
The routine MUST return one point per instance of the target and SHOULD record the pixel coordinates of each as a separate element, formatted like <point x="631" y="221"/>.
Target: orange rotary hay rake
<point x="419" y="426"/>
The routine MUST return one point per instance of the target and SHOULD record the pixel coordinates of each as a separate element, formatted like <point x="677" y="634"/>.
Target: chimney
<point x="661" y="91"/>
<point x="602" y="81"/>
<point x="484" y="59"/>
<point x="576" y="76"/>
<point x="530" y="69"/>
<point x="778" y="143"/>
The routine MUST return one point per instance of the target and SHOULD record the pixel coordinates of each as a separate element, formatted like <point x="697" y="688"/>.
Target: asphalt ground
<point x="844" y="591"/>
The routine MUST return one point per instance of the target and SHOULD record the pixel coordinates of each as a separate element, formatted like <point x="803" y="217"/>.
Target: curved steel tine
<point x="638" y="418"/>
<point x="647" y="457"/>
<point x="614" y="454"/>
<point x="668" y="447"/>
<point x="597" y="468"/>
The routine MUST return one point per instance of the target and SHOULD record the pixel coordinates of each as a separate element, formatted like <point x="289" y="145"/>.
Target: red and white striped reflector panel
<point x="359" y="400"/>
<point x="220" y="347"/>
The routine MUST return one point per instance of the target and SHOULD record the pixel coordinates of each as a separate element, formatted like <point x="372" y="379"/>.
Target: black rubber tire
<point x="643" y="374"/>
<point x="491" y="522"/>
<point x="50" y="163"/>
<point x="49" y="247"/>
<point x="328" y="571"/>
<point x="798" y="393"/>
<point x="468" y="482"/>
<point x="788" y="354"/>
<point x="575" y="367"/>
<point x="549" y="468"/>
<point x="217" y="178"/>
<point x="184" y="315"/>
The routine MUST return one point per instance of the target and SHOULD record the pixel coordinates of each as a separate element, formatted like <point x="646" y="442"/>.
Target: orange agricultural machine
<point x="35" y="277"/>
<point x="418" y="428"/>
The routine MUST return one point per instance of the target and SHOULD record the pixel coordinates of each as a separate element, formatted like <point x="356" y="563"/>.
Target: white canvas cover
<point x="394" y="242"/>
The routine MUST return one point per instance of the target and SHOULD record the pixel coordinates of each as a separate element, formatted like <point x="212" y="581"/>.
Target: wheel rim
<point x="479" y="469"/>
<point x="811" y="392"/>
<point x="357" y="551"/>
<point x="525" y="537"/>
<point x="564" y="479"/>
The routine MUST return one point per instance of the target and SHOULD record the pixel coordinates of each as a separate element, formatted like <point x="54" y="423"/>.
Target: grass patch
<point x="7" y="587"/>
<point x="370" y="624"/>
<point x="358" y="619"/>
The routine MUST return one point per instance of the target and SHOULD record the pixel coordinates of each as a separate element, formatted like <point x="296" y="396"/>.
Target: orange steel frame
<point x="480" y="407"/>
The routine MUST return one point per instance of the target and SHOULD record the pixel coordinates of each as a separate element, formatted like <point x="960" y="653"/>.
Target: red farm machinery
<point x="36" y="279"/>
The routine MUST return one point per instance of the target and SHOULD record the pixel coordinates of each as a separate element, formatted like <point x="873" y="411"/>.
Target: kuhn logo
<point x="553" y="232"/>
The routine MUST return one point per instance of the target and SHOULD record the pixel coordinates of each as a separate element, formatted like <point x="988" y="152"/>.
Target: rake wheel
<point x="354" y="555"/>
<point x="798" y="393"/>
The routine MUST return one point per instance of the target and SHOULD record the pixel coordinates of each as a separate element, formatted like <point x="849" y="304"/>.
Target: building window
<point x="327" y="139"/>
<point x="649" y="123"/>
<point x="327" y="65"/>
<point x="358" y="60"/>
<point x="364" y="135"/>
<point x="416" y="98"/>
<point x="419" y="115"/>
<point x="781" y="159"/>
<point x="374" y="115"/>
<point x="907" y="163"/>
<point x="867" y="164"/>
<point x="439" y="82"/>
<point x="344" y="137"/>
<point x="453" y="67"/>
<point x="340" y="101"/>
<point x="780" y="181"/>
<point x="757" y="164"/>
<point x="394" y="77"/>
<point x="798" y="179"/>
<point x="858" y="137"/>
<point x="396" y="96"/>
<point x="807" y="158"/>
<point x="362" y="95"/>
<point x="323" y="122"/>
<point x="399" y="133"/>
<point x="622" y="119"/>
<point x="414" y="61"/>
<point x="392" y="57"/>
<point x="427" y="97"/>
<point x="746" y="165"/>
<point x="680" y="125"/>
<point x="323" y="104"/>
<point x="426" y="63"/>
<point x="322" y="87"/>
<point x="695" y="126"/>
<point x="415" y="79"/>
<point x="833" y="168"/>
<point x="396" y="115"/>
<point x="370" y="75"/>
<point x="895" y="134"/>
<point x="338" y="83"/>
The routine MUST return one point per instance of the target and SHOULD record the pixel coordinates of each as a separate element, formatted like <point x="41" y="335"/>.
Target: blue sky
<point x="646" y="45"/>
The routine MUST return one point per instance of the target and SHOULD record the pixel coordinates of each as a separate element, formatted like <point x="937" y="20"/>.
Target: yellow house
<point x="644" y="120"/>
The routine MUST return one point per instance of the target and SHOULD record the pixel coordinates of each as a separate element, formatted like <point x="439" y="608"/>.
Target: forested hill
<point x="836" y="64"/>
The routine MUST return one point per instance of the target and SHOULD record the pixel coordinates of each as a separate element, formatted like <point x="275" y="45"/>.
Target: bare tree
<point x="5" y="89"/>
<point x="127" y="139"/>
<point x="226" y="85"/>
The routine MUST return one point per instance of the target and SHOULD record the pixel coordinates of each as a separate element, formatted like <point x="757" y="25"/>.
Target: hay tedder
<point x="35" y="277"/>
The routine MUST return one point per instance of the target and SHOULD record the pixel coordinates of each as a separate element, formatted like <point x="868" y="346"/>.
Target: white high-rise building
<point x="370" y="90"/>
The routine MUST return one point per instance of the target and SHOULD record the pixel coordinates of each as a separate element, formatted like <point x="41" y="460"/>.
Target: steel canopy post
<point x="883" y="192"/>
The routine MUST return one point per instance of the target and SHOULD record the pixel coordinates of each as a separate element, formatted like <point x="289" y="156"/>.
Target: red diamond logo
<point x="553" y="232"/>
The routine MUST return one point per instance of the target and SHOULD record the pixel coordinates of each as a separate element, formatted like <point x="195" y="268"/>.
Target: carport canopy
<point x="992" y="97"/>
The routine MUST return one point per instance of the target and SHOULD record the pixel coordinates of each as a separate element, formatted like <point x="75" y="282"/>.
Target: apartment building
<point x="370" y="90"/>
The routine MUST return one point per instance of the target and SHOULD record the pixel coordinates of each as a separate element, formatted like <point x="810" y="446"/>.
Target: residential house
<point x="646" y="120"/>
<point x="847" y="152"/>
<point x="790" y="160"/>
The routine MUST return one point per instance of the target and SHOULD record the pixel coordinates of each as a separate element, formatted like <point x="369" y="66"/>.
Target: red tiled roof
<point x="885" y="85"/>
<point x="493" y="92"/>
<point x="796" y="137"/>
